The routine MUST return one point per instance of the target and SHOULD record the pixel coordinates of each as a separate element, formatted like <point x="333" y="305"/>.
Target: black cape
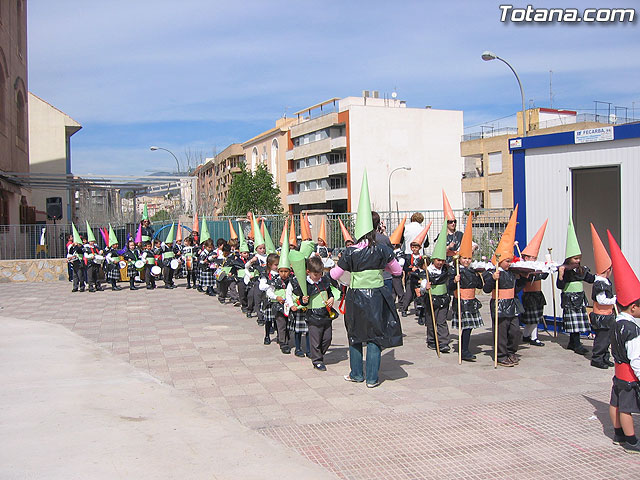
<point x="370" y="314"/>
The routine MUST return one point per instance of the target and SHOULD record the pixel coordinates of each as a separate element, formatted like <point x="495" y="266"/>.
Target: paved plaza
<point x="429" y="419"/>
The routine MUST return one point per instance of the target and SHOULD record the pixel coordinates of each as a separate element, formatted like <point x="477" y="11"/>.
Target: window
<point x="274" y="158"/>
<point x="254" y="159"/>
<point x="21" y="117"/>
<point x="495" y="162"/>
<point x="337" y="182"/>
<point x="495" y="199"/>
<point x="473" y="199"/>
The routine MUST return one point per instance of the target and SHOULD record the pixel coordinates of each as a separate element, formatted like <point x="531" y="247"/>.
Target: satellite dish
<point x="394" y="95"/>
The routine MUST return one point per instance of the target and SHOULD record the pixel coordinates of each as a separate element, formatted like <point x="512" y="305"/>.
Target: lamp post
<point x="394" y="170"/>
<point x="154" y="148"/>
<point x="487" y="56"/>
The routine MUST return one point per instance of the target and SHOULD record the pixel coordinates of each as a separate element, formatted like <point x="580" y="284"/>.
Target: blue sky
<point x="197" y="75"/>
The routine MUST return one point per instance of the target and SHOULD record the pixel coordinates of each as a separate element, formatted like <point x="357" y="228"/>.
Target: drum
<point x="122" y="264"/>
<point x="139" y="265"/>
<point x="156" y="271"/>
<point x="174" y="264"/>
<point x="188" y="262"/>
<point x="220" y="274"/>
<point x="328" y="262"/>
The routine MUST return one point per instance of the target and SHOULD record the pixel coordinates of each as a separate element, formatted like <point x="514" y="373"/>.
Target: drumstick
<point x="495" y="329"/>
<point x="459" y="302"/>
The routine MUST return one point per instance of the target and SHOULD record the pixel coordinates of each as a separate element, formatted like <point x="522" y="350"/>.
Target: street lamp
<point x="394" y="170"/>
<point x="154" y="148"/>
<point x="487" y="56"/>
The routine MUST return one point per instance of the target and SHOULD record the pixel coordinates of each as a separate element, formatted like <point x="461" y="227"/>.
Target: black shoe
<point x="200" y="289"/>
<point x="188" y="287"/>
<point x="133" y="287"/>
<point x="286" y="349"/>
<point x="221" y="300"/>
<point x="580" y="350"/>
<point x="468" y="357"/>
<point x="619" y="439"/>
<point x="248" y="314"/>
<point x="320" y="366"/>
<point x="536" y="343"/>
<point x="74" y="290"/>
<point x="236" y="304"/>
<point x="267" y="341"/>
<point x="299" y="353"/>
<point x="421" y="321"/>
<point x="168" y="287"/>
<point x="116" y="288"/>
<point x="82" y="289"/>
<point x="431" y="347"/>
<point x="150" y="287"/>
<point x="609" y="363"/>
<point x="99" y="289"/>
<point x="403" y="313"/>
<point x="631" y="447"/>
<point x="506" y="363"/>
<point x="599" y="365"/>
<point x="526" y="339"/>
<point x="445" y="349"/>
<point x="91" y="289"/>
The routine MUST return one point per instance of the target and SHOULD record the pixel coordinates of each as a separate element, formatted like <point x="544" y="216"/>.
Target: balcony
<point x="337" y="168"/>
<point x="336" y="194"/>
<point x="312" y="196"/>
<point x="289" y="155"/>
<point x="292" y="176"/>
<point x="338" y="143"/>
<point x="292" y="199"/>
<point x="311" y="149"/>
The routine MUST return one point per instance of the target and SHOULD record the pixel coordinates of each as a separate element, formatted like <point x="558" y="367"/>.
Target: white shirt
<point x="411" y="231"/>
<point x="601" y="298"/>
<point x="632" y="346"/>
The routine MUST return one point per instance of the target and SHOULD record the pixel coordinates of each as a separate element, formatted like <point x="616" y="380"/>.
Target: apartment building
<point x="269" y="148"/>
<point x="332" y="142"/>
<point x="487" y="178"/>
<point x="214" y="179"/>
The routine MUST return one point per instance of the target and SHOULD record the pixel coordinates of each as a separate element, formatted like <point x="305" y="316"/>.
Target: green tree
<point x="161" y="216"/>
<point x="253" y="192"/>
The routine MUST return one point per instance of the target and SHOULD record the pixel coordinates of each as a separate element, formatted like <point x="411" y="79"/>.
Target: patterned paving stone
<point x="430" y="417"/>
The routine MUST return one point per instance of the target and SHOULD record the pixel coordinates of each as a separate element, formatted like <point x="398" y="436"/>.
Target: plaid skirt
<point x="132" y="271"/>
<point x="113" y="272"/>
<point x="575" y="321"/>
<point x="469" y="320"/>
<point x="268" y="311"/>
<point x="531" y="316"/>
<point x="297" y="323"/>
<point x="206" y="277"/>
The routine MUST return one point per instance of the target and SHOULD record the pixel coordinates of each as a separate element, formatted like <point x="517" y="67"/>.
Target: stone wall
<point x="40" y="270"/>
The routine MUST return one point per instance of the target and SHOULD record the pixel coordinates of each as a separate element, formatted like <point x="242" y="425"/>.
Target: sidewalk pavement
<point x="69" y="409"/>
<point x="430" y="417"/>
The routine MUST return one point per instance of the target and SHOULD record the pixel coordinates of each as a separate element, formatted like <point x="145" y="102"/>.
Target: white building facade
<point x="334" y="141"/>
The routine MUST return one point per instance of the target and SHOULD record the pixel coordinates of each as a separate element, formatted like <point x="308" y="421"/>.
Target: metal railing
<point x="49" y="241"/>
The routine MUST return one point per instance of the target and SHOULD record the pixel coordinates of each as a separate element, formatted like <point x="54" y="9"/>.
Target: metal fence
<point x="49" y="241"/>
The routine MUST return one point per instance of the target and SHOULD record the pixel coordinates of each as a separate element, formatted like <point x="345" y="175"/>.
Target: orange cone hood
<point x="627" y="284"/>
<point x="466" y="244"/>
<point x="422" y="235"/>
<point x="396" y="236"/>
<point x="345" y="233"/>
<point x="533" y="248"/>
<point x="232" y="233"/>
<point x="505" y="247"/>
<point x="446" y="206"/>
<point x="292" y="234"/>
<point x="602" y="259"/>
<point x="179" y="233"/>
<point x="196" y="223"/>
<point x="284" y="231"/>
<point x="323" y="231"/>
<point x="252" y="233"/>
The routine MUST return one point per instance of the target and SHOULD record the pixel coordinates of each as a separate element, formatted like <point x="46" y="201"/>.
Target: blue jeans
<point x="373" y="362"/>
<point x="388" y="283"/>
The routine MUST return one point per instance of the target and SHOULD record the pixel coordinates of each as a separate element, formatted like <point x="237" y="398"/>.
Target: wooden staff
<point x="459" y="302"/>
<point x="433" y="315"/>
<point x="495" y="329"/>
<point x="518" y="248"/>
<point x="553" y="295"/>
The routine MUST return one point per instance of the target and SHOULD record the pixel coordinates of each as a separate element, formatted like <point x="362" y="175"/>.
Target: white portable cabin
<point x="593" y="175"/>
